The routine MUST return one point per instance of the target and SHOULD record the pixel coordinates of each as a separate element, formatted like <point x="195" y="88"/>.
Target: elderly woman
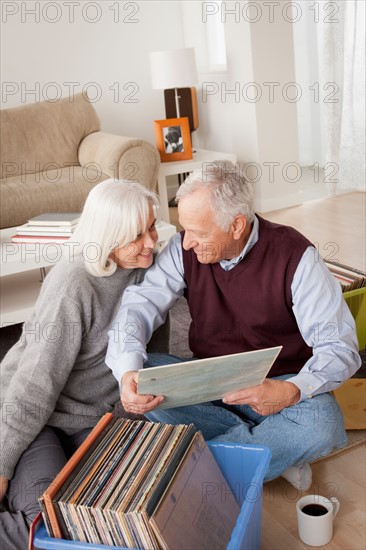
<point x="55" y="385"/>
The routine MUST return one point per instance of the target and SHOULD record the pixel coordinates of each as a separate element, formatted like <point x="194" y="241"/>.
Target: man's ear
<point x="238" y="226"/>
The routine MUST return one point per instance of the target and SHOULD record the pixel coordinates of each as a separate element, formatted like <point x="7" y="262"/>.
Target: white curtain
<point x="342" y="70"/>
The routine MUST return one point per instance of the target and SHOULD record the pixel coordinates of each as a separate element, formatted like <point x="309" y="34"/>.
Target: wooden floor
<point x="337" y="227"/>
<point x="341" y="476"/>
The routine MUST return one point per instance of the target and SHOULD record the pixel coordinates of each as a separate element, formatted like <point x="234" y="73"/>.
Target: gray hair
<point x="231" y="193"/>
<point x="115" y="212"/>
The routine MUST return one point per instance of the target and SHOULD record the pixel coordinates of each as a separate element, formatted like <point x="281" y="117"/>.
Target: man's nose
<point x="188" y="242"/>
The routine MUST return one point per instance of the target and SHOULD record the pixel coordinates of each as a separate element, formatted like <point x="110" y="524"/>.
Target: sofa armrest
<point x="121" y="157"/>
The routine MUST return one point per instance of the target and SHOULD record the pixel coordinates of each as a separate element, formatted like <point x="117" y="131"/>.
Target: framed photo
<point x="173" y="139"/>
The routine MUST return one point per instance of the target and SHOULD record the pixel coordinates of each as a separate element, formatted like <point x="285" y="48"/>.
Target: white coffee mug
<point x="315" y="516"/>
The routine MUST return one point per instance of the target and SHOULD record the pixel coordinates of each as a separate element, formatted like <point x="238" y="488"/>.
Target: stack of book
<point x="138" y="484"/>
<point x="348" y="277"/>
<point x="54" y="227"/>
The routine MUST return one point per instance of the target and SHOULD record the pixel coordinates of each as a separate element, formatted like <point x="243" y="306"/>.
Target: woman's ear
<point x="238" y="226"/>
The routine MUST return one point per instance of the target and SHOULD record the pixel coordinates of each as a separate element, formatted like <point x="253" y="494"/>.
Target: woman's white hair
<point x="115" y="212"/>
<point x="231" y="193"/>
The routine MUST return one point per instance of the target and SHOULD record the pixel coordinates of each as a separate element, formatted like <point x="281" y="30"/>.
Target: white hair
<point x="115" y="212"/>
<point x="231" y="194"/>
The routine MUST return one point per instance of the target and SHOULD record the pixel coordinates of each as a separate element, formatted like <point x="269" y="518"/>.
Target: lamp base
<point x="187" y="105"/>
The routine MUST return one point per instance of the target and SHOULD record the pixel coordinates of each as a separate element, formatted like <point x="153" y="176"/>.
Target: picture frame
<point x="173" y="139"/>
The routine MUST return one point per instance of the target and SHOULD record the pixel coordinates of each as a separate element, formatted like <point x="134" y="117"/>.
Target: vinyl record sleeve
<point x="203" y="380"/>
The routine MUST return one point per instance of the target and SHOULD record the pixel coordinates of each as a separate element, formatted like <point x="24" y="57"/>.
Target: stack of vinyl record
<point x="138" y="484"/>
<point x="348" y="277"/>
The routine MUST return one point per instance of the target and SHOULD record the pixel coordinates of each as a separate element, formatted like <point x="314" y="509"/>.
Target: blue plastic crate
<point x="244" y="467"/>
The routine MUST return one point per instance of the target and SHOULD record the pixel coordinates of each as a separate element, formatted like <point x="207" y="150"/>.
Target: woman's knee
<point x="35" y="471"/>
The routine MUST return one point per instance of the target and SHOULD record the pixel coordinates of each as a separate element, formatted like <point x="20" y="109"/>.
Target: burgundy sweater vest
<point x="250" y="306"/>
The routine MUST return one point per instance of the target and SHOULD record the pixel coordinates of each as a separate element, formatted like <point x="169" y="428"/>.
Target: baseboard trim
<point x="269" y="204"/>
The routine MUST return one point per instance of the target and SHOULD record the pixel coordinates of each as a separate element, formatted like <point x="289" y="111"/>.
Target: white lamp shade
<point x="173" y="69"/>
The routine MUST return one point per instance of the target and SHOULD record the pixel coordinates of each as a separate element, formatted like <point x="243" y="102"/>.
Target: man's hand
<point x="270" y="397"/>
<point x="3" y="487"/>
<point x="131" y="401"/>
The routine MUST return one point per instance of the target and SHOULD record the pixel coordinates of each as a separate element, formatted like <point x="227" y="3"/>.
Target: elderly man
<point x="250" y="284"/>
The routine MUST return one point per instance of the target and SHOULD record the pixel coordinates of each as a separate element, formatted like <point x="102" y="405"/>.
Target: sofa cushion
<point x="61" y="190"/>
<point x="34" y="136"/>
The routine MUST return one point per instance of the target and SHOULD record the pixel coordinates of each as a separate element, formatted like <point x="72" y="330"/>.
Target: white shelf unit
<point x="21" y="277"/>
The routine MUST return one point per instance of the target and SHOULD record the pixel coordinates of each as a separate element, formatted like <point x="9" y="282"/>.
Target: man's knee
<point x="158" y="359"/>
<point x="320" y="423"/>
<point x="319" y="411"/>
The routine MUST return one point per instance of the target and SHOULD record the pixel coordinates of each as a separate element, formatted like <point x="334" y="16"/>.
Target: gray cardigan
<point x="55" y="374"/>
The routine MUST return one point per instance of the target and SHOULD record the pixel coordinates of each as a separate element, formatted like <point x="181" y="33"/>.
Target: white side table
<point x="22" y="269"/>
<point x="182" y="166"/>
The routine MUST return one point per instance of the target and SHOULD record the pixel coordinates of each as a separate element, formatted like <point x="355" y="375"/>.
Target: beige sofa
<point x="53" y="153"/>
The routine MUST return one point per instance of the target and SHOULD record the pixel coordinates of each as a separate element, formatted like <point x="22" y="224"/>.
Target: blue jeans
<point x="295" y="435"/>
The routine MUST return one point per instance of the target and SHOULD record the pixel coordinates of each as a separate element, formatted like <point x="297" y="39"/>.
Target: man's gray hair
<point x="231" y="193"/>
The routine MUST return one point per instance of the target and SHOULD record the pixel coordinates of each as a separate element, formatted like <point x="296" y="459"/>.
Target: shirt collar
<point x="253" y="238"/>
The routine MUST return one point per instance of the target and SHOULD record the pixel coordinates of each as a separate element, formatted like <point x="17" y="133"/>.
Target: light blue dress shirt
<point x="322" y="315"/>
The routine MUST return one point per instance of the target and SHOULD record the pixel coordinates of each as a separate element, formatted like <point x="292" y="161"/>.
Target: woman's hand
<point x="132" y="402"/>
<point x="3" y="487"/>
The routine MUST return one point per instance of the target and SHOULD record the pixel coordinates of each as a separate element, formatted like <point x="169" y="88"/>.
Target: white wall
<point x="248" y="109"/>
<point x="274" y="63"/>
<point x="112" y="53"/>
